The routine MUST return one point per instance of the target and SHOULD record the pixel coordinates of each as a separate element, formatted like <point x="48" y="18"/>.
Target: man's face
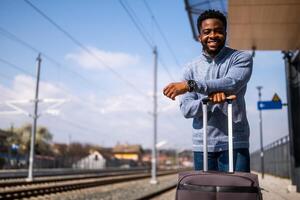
<point x="212" y="36"/>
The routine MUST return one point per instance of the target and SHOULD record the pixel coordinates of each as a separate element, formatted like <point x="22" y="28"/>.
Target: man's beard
<point x="212" y="52"/>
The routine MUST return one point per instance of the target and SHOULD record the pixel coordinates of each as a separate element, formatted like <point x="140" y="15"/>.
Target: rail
<point x="276" y="158"/>
<point x="49" y="188"/>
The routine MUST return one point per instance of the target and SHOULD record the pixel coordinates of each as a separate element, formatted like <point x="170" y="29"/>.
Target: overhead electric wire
<point x="77" y="125"/>
<point x="80" y="100"/>
<point x="141" y="31"/>
<point x="133" y="19"/>
<point x="56" y="63"/>
<point x="78" y="43"/>
<point x="136" y="18"/>
<point x="130" y="12"/>
<point x="165" y="67"/>
<point x="5" y="77"/>
<point x="25" y="44"/>
<point x="161" y="33"/>
<point x="16" y="67"/>
<point x="62" y="30"/>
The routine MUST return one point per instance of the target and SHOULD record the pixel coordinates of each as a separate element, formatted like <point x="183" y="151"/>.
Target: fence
<point x="276" y="158"/>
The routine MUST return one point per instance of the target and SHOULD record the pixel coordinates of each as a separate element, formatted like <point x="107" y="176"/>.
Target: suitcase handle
<point x="228" y="98"/>
<point x="205" y="101"/>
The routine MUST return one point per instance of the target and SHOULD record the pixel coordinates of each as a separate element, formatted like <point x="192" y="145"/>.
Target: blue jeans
<point x="218" y="161"/>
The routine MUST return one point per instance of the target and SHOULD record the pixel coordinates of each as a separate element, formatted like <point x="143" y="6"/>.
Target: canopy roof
<point x="259" y="24"/>
<point x="264" y="24"/>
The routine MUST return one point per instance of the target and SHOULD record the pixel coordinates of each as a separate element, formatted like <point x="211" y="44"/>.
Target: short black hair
<point x="211" y="14"/>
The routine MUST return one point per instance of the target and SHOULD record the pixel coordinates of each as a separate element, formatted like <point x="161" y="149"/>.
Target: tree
<point x="21" y="137"/>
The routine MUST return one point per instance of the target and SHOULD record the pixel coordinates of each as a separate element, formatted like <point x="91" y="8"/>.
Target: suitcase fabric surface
<point x="214" y="185"/>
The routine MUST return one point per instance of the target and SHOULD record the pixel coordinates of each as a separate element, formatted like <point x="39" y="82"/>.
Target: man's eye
<point x="220" y="31"/>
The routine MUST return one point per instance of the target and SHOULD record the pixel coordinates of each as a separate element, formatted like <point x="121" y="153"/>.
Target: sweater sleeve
<point x="237" y="77"/>
<point x="190" y="104"/>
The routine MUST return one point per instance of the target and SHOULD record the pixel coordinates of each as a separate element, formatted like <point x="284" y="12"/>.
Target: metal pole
<point x="10" y="145"/>
<point x="35" y="116"/>
<point x="230" y="136"/>
<point x="288" y="65"/>
<point x="261" y="136"/>
<point x="154" y="157"/>
<point x="205" y="154"/>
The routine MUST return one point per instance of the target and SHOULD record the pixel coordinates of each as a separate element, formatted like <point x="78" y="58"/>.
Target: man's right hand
<point x="174" y="89"/>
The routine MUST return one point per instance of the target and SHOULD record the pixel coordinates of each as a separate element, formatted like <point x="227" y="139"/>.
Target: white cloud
<point x="122" y="117"/>
<point x="23" y="87"/>
<point x="126" y="103"/>
<point x="105" y="58"/>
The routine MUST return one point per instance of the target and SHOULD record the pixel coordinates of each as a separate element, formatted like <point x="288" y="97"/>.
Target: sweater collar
<point x="218" y="57"/>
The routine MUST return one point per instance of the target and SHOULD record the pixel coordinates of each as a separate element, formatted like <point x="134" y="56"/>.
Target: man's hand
<point x="174" y="89"/>
<point x="217" y="97"/>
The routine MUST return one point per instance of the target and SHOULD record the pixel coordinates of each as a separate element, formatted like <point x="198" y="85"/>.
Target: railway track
<point x="40" y="180"/>
<point x="42" y="188"/>
<point x="22" y="173"/>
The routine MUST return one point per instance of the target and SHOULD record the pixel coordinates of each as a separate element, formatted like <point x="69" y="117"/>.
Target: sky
<point x="97" y="61"/>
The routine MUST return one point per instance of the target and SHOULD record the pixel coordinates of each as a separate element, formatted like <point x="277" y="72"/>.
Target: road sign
<point x="268" y="105"/>
<point x="276" y="97"/>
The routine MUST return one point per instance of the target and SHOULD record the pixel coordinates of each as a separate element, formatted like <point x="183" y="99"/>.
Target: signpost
<point x="275" y="103"/>
<point x="269" y="105"/>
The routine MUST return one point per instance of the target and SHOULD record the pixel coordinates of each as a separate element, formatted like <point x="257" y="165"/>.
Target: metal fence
<point x="276" y="158"/>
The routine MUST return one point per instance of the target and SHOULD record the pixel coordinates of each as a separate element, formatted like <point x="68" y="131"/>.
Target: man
<point x="219" y="71"/>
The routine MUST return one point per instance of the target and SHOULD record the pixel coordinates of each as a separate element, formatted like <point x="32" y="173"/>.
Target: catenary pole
<point x="35" y="116"/>
<point x="262" y="168"/>
<point x="154" y="153"/>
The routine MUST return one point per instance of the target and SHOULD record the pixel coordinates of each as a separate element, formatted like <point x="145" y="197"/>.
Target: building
<point x="128" y="152"/>
<point x="94" y="160"/>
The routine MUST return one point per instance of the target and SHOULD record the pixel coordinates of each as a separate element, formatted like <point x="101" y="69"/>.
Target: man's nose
<point x="212" y="34"/>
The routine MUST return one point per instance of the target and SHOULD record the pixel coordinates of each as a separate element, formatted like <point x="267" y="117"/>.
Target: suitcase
<point x="215" y="185"/>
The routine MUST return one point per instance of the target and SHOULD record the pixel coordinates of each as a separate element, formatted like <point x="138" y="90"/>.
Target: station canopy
<point x="259" y="24"/>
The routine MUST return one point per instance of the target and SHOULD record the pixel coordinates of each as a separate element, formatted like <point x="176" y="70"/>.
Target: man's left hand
<point x="174" y="89"/>
<point x="218" y="97"/>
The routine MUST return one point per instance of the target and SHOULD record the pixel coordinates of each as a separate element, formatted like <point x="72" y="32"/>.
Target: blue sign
<point x="268" y="105"/>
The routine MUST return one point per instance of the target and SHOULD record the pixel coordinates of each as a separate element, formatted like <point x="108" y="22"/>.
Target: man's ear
<point x="199" y="38"/>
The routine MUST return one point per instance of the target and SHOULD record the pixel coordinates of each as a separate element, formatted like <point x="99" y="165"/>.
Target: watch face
<point x="192" y="85"/>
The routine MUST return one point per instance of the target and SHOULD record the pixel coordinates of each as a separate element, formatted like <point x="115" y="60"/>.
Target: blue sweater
<point x="228" y="72"/>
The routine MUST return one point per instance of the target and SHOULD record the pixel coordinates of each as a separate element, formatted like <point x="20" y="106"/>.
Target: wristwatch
<point x="192" y="85"/>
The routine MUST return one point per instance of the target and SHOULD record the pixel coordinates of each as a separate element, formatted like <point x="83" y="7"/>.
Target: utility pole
<point x="35" y="116"/>
<point x="154" y="154"/>
<point x="10" y="145"/>
<point x="262" y="168"/>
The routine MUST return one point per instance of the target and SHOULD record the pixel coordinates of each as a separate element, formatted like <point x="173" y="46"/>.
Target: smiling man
<point x="219" y="71"/>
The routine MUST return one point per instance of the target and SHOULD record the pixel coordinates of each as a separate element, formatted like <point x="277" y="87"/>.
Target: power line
<point x="130" y="12"/>
<point x="77" y="125"/>
<point x="74" y="40"/>
<point x="5" y="77"/>
<point x="80" y="100"/>
<point x="56" y="63"/>
<point x="136" y="18"/>
<point x="161" y="33"/>
<point x="68" y="35"/>
<point x="138" y="25"/>
<point x="165" y="67"/>
<point x="16" y="67"/>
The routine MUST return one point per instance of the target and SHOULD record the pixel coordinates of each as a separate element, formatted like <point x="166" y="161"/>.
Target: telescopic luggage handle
<point x="205" y="101"/>
<point x="229" y="98"/>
